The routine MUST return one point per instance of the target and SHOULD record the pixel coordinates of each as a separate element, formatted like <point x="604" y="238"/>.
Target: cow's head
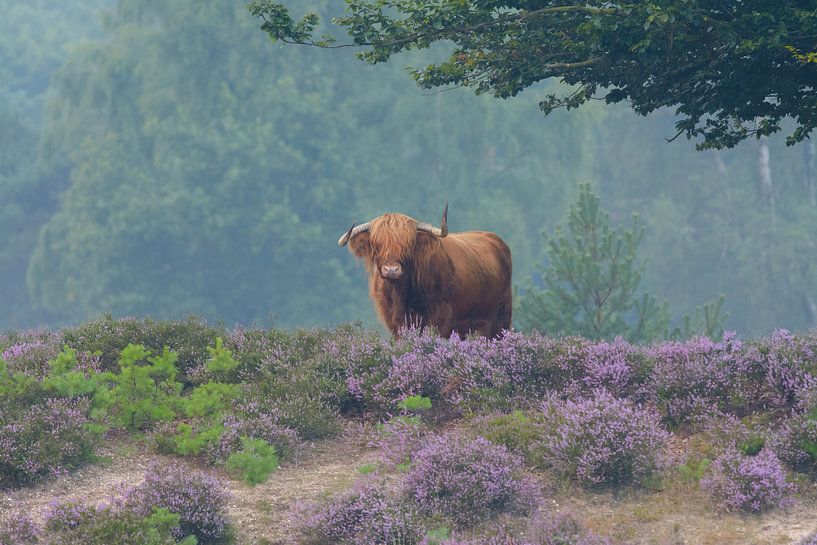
<point x="388" y="242"/>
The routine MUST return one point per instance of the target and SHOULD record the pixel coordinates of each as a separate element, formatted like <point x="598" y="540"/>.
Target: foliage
<point x="188" y="338"/>
<point x="367" y="513"/>
<point x="398" y="439"/>
<point x="257" y="421"/>
<point x="210" y="399"/>
<point x="44" y="440"/>
<point x="254" y="462"/>
<point x="751" y="483"/>
<point x="591" y="283"/>
<point x="650" y="55"/>
<point x="187" y="442"/>
<point x="197" y="497"/>
<point x="694" y="469"/>
<point x="515" y="431"/>
<point x="467" y="479"/>
<point x="74" y="524"/>
<point x="601" y="439"/>
<point x="146" y="390"/>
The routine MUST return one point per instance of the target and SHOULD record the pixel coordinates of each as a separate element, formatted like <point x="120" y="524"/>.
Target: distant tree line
<point x="179" y="164"/>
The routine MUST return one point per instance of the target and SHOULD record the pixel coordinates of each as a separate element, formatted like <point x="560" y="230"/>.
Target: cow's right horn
<point x="350" y="234"/>
<point x="440" y="231"/>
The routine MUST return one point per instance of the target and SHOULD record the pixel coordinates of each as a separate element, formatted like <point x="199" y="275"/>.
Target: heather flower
<point x="18" y="529"/>
<point x="467" y="480"/>
<point x="750" y="483"/>
<point x="398" y="438"/>
<point x="795" y="443"/>
<point x="46" y="440"/>
<point x="601" y="440"/>
<point x="365" y="515"/>
<point x="30" y="351"/>
<point x="197" y="497"/>
<point x="695" y="376"/>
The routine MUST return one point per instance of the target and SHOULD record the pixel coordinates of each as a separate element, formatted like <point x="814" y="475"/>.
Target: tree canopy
<point x="730" y="69"/>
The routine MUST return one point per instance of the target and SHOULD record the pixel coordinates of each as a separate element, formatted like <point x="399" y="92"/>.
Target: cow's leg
<point x="442" y="318"/>
<point x="504" y="315"/>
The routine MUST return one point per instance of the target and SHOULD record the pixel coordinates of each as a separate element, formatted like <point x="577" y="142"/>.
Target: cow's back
<point x="482" y="273"/>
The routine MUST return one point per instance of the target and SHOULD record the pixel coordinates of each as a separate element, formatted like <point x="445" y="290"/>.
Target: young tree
<point x="731" y="69"/>
<point x="591" y="283"/>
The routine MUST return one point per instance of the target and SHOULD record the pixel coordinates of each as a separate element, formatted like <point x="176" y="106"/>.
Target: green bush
<point x="255" y="461"/>
<point x="210" y="399"/>
<point x="516" y="431"/>
<point x="146" y="389"/>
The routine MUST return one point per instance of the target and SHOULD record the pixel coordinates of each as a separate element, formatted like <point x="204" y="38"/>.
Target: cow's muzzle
<point x="391" y="271"/>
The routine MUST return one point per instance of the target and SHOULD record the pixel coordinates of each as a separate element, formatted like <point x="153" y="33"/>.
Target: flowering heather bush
<point x="695" y="376"/>
<point x="188" y="338"/>
<point x="787" y="365"/>
<point x="45" y="440"/>
<point x="29" y="351"/>
<point x="18" y="529"/>
<point x="398" y="438"/>
<point x="750" y="483"/>
<point x="467" y="480"/>
<point x="795" y="442"/>
<point x="601" y="439"/>
<point x="197" y="497"/>
<point x="365" y="515"/>
<point x="73" y="524"/>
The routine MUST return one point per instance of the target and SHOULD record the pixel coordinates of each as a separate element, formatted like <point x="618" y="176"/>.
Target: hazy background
<point x="164" y="158"/>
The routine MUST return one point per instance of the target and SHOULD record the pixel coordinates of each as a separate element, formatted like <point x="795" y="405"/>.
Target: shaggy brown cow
<point x="421" y="275"/>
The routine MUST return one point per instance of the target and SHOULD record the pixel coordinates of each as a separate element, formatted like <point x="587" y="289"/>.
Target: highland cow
<point x="420" y="275"/>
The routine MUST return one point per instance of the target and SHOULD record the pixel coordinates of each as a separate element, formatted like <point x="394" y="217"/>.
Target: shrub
<point x="197" y="497"/>
<point x="73" y="524"/>
<point x="601" y="439"/>
<point x="696" y="377"/>
<point x="257" y="422"/>
<point x="305" y="399"/>
<point x="397" y="439"/>
<point x="188" y="339"/>
<point x="146" y="390"/>
<point x="750" y="483"/>
<point x="364" y="515"/>
<point x="46" y="439"/>
<point x="255" y="461"/>
<point x="467" y="479"/>
<point x="796" y="442"/>
<point x="29" y="351"/>
<point x="516" y="431"/>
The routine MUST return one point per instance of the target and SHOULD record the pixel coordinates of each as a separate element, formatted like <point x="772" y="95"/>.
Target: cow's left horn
<point x="439" y="231"/>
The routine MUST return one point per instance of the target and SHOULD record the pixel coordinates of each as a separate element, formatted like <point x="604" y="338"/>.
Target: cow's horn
<point x="439" y="231"/>
<point x="353" y="231"/>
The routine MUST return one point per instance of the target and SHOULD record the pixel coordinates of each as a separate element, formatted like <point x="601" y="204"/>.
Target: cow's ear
<point x="361" y="244"/>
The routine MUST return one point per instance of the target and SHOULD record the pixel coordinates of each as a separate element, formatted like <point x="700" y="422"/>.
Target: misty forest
<point x="238" y="306"/>
<point x="169" y="161"/>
